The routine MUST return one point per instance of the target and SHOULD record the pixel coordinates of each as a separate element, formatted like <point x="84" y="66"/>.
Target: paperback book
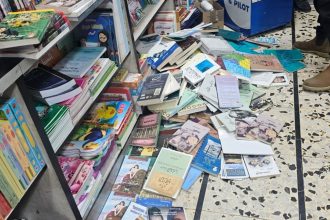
<point x="135" y="211"/>
<point x="237" y="65"/>
<point x="261" y="166"/>
<point x="228" y="91"/>
<point x="167" y="213"/>
<point x="115" y="207"/>
<point x="233" y="167"/>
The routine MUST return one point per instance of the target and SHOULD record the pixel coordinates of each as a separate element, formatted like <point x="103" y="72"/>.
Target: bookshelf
<point x="49" y="196"/>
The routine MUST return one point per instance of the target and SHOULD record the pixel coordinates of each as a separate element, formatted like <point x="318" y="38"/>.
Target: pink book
<point x="82" y="83"/>
<point x="69" y="166"/>
<point x="84" y="174"/>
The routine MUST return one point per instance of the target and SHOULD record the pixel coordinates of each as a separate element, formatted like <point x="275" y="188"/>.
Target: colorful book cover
<point x="135" y="11"/>
<point x="191" y="178"/>
<point x="7" y="189"/>
<point x="237" y="65"/>
<point x="168" y="173"/>
<point x="136" y="211"/>
<point x="146" y="131"/>
<point x="115" y="207"/>
<point x="207" y="158"/>
<point x="85" y="174"/>
<point x="69" y="166"/>
<point x="20" y="117"/>
<point x="27" y="157"/>
<point x="5" y="207"/>
<point x="264" y="63"/>
<point x="167" y="213"/>
<point x="131" y="176"/>
<point x="109" y="114"/>
<point x="151" y="202"/>
<point x="144" y="151"/>
<point x="188" y="136"/>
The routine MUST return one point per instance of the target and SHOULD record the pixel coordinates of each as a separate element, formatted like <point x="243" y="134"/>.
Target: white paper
<point x="262" y="78"/>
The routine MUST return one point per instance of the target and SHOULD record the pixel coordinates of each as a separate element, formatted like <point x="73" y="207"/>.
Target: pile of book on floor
<point x="68" y="89"/>
<point x="26" y="32"/>
<point x="20" y="156"/>
<point x="207" y="115"/>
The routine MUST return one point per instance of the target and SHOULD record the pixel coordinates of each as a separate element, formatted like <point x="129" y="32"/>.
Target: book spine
<point x="4" y="206"/>
<point x="12" y="161"/>
<point x="7" y="190"/>
<point x="24" y="148"/>
<point x="20" y="117"/>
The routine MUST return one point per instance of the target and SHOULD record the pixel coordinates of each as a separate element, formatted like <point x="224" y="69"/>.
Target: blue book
<point x="207" y="157"/>
<point x="153" y="202"/>
<point x="191" y="178"/>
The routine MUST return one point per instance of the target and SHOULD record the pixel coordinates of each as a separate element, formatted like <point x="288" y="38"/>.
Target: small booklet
<point x="261" y="166"/>
<point x="233" y="167"/>
<point x="188" y="136"/>
<point x="228" y="91"/>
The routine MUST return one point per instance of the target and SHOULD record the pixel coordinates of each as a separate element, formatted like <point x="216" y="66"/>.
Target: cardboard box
<point x="216" y="17"/>
<point x="252" y="17"/>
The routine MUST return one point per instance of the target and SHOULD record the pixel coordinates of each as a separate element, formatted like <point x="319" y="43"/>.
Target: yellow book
<point x="32" y="11"/>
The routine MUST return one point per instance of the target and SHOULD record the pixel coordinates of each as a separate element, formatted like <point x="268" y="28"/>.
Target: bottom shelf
<point x="11" y="213"/>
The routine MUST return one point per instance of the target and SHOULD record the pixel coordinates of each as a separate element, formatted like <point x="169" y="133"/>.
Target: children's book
<point x="77" y="63"/>
<point x="233" y="167"/>
<point x="237" y="65"/>
<point x="24" y="28"/>
<point x="69" y="166"/>
<point x="188" y="136"/>
<point x="131" y="176"/>
<point x="136" y="211"/>
<point x="207" y="158"/>
<point x="109" y="114"/>
<point x="228" y="91"/>
<point x="191" y="178"/>
<point x="261" y="166"/>
<point x="146" y="132"/>
<point x="115" y="206"/>
<point x="167" y="213"/>
<point x="168" y="173"/>
<point x="143" y="151"/>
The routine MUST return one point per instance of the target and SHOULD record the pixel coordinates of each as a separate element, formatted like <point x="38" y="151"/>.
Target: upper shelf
<point x="149" y="13"/>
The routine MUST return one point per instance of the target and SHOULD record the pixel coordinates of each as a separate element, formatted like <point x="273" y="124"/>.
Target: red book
<point x="116" y="94"/>
<point x="4" y="206"/>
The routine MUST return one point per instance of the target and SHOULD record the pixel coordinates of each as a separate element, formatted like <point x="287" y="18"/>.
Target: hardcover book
<point x="261" y="166"/>
<point x="146" y="132"/>
<point x="131" y="176"/>
<point x="168" y="173"/>
<point x="167" y="213"/>
<point x="135" y="211"/>
<point x="188" y="136"/>
<point x="207" y="158"/>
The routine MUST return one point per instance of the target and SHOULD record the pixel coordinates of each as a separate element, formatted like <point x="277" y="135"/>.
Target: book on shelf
<point x="135" y="211"/>
<point x="168" y="160"/>
<point x="7" y="189"/>
<point x="167" y="213"/>
<point x="5" y="207"/>
<point x="122" y="138"/>
<point x="146" y="131"/>
<point x="103" y="80"/>
<point x="261" y="166"/>
<point x="165" y="22"/>
<point x="135" y="11"/>
<point x="24" y="28"/>
<point x="79" y="61"/>
<point x="116" y="94"/>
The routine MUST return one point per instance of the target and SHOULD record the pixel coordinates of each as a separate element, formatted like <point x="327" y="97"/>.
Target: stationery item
<point x="231" y="145"/>
<point x="261" y="166"/>
<point x="79" y="61"/>
<point x="168" y="173"/>
<point x="207" y="158"/>
<point x="135" y="211"/>
<point x="167" y="213"/>
<point x="228" y="91"/>
<point x="191" y="178"/>
<point x="233" y="167"/>
<point x="280" y="79"/>
<point x="264" y="63"/>
<point x="237" y="65"/>
<point x="146" y="132"/>
<point x="262" y="78"/>
<point x="188" y="136"/>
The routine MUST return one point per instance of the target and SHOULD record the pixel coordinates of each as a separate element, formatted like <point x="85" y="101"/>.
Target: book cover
<point x="7" y="189"/>
<point x="233" y="167"/>
<point x="82" y="178"/>
<point x="228" y="91"/>
<point x="208" y="89"/>
<point x="135" y="11"/>
<point x="79" y="61"/>
<point x="131" y="176"/>
<point x="216" y="45"/>
<point x="188" y="136"/>
<point x="5" y="207"/>
<point x="153" y="89"/>
<point x="136" y="211"/>
<point x="267" y="63"/>
<point x="143" y="151"/>
<point x="123" y="137"/>
<point x="115" y="207"/>
<point x="280" y="79"/>
<point x="24" y="28"/>
<point x="116" y="94"/>
<point x="247" y="128"/>
<point x="191" y="178"/>
<point x="168" y="173"/>
<point x="269" y="127"/>
<point x="167" y="213"/>
<point x="262" y="78"/>
<point x="146" y="131"/>
<point x="237" y="65"/>
<point x="261" y="166"/>
<point x="195" y="106"/>
<point x="151" y="202"/>
<point x="207" y="158"/>
<point x="204" y="65"/>
<point x="109" y="114"/>
<point x="69" y="166"/>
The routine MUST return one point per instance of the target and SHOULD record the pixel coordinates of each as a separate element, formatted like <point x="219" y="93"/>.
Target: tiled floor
<point x="277" y="197"/>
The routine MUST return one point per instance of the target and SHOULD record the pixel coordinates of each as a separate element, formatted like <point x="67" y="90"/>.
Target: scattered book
<point x="188" y="136"/>
<point x="191" y="178"/>
<point x="228" y="91"/>
<point x="115" y="207"/>
<point x="261" y="166"/>
<point x="168" y="173"/>
<point x="262" y="78"/>
<point x="233" y="167"/>
<point x="264" y="63"/>
<point x="237" y="65"/>
<point x="280" y="79"/>
<point x="195" y="106"/>
<point x="167" y="213"/>
<point x="216" y="46"/>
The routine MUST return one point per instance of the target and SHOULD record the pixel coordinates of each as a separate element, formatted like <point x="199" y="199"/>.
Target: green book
<point x="7" y="191"/>
<point x="24" y="28"/>
<point x="168" y="173"/>
<point x="187" y="97"/>
<point x="104" y="79"/>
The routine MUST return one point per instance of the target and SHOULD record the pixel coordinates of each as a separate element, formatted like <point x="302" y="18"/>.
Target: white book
<point x="261" y="166"/>
<point x="216" y="45"/>
<point x="233" y="167"/>
<point x="262" y="78"/>
<point x="208" y="89"/>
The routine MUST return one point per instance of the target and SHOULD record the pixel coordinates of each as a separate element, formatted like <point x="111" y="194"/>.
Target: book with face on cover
<point x="228" y="91"/>
<point x="264" y="63"/>
<point x="261" y="166"/>
<point x="115" y="206"/>
<point x="168" y="173"/>
<point x="136" y="211"/>
<point x="188" y="136"/>
<point x="233" y="167"/>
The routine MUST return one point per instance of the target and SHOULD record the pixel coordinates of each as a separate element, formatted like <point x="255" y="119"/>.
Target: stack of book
<point x="7" y="6"/>
<point x="23" y="40"/>
<point x="20" y="156"/>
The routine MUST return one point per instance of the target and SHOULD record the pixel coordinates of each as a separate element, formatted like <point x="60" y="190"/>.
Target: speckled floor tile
<point x="217" y="215"/>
